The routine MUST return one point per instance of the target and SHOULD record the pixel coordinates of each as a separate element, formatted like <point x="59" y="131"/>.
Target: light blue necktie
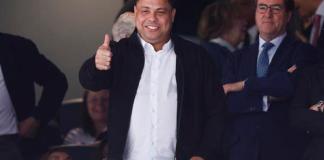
<point x="263" y="61"/>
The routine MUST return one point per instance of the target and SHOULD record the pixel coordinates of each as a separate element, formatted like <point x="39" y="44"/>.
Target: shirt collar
<point x="276" y="42"/>
<point x="166" y="47"/>
<point x="223" y="43"/>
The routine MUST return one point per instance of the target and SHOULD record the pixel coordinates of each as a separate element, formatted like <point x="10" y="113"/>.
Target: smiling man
<point x="259" y="85"/>
<point x="165" y="101"/>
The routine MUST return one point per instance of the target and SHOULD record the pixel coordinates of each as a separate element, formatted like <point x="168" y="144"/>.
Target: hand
<point x="292" y="69"/>
<point x="104" y="55"/>
<point x="196" y="158"/>
<point x="233" y="87"/>
<point x="28" y="127"/>
<point x="318" y="107"/>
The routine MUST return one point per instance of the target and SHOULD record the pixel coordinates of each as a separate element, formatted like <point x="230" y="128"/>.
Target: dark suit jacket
<point x="22" y="67"/>
<point x="219" y="54"/>
<point x="200" y="97"/>
<point x="309" y="91"/>
<point x="255" y="134"/>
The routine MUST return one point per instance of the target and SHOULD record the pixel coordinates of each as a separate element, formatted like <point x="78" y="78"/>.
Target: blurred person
<point x="222" y="30"/>
<point x="59" y="156"/>
<point x="94" y="119"/>
<point x="165" y="102"/>
<point x="21" y="67"/>
<point x="312" y="9"/>
<point x="307" y="111"/>
<point x="124" y="26"/>
<point x="259" y="85"/>
<point x="299" y="27"/>
<point x="248" y="11"/>
<point x="56" y="154"/>
<point x="187" y="18"/>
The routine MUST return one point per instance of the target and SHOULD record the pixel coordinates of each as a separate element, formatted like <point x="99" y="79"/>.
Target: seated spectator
<point x="94" y="125"/>
<point x="222" y="30"/>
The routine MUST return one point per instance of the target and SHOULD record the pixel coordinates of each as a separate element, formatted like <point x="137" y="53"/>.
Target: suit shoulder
<point x="127" y="43"/>
<point x="305" y="46"/>
<point x="188" y="48"/>
<point x="245" y="51"/>
<point x="15" y="41"/>
<point x="186" y="43"/>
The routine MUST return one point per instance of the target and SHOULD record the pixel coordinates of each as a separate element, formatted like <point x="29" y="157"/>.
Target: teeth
<point x="152" y="27"/>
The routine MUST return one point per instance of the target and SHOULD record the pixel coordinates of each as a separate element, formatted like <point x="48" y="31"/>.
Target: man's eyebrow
<point x="162" y="9"/>
<point x="144" y="7"/>
<point x="276" y="4"/>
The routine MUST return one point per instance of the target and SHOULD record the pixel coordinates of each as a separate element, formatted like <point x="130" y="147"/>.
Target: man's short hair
<point x="289" y="5"/>
<point x="171" y="2"/>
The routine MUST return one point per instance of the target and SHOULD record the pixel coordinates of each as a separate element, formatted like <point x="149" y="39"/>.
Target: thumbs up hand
<point x="103" y="56"/>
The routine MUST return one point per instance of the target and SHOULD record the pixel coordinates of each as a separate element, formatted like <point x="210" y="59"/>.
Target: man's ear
<point x="173" y="14"/>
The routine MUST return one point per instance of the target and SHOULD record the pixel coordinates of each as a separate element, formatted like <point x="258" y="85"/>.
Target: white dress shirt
<point x="276" y="42"/>
<point x="8" y="121"/>
<point x="152" y="131"/>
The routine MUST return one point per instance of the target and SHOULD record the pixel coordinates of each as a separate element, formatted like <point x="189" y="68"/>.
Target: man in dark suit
<point x="21" y="67"/>
<point x="165" y="100"/>
<point x="259" y="84"/>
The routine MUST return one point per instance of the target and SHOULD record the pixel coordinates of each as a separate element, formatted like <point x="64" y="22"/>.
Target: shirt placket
<point x="154" y="99"/>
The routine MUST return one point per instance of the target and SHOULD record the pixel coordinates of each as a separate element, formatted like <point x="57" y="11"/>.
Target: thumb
<point x="106" y="41"/>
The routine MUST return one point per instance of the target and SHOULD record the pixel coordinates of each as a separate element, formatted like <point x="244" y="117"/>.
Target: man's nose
<point x="269" y="12"/>
<point x="152" y="17"/>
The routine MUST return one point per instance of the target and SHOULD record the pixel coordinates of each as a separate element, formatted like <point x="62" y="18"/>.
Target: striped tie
<point x="263" y="61"/>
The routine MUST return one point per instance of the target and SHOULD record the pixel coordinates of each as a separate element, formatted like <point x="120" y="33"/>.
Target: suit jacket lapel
<point x="284" y="48"/>
<point x="254" y="58"/>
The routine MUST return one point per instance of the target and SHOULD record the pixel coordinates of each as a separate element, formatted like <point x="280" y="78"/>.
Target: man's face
<point x="271" y="18"/>
<point x="306" y="8"/>
<point x="153" y="19"/>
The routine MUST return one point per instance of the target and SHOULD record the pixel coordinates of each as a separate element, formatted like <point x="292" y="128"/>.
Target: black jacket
<point x="200" y="97"/>
<point x="22" y="66"/>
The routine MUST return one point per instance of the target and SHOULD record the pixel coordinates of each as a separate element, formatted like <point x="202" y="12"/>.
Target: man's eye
<point x="276" y="8"/>
<point x="161" y="12"/>
<point x="263" y="7"/>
